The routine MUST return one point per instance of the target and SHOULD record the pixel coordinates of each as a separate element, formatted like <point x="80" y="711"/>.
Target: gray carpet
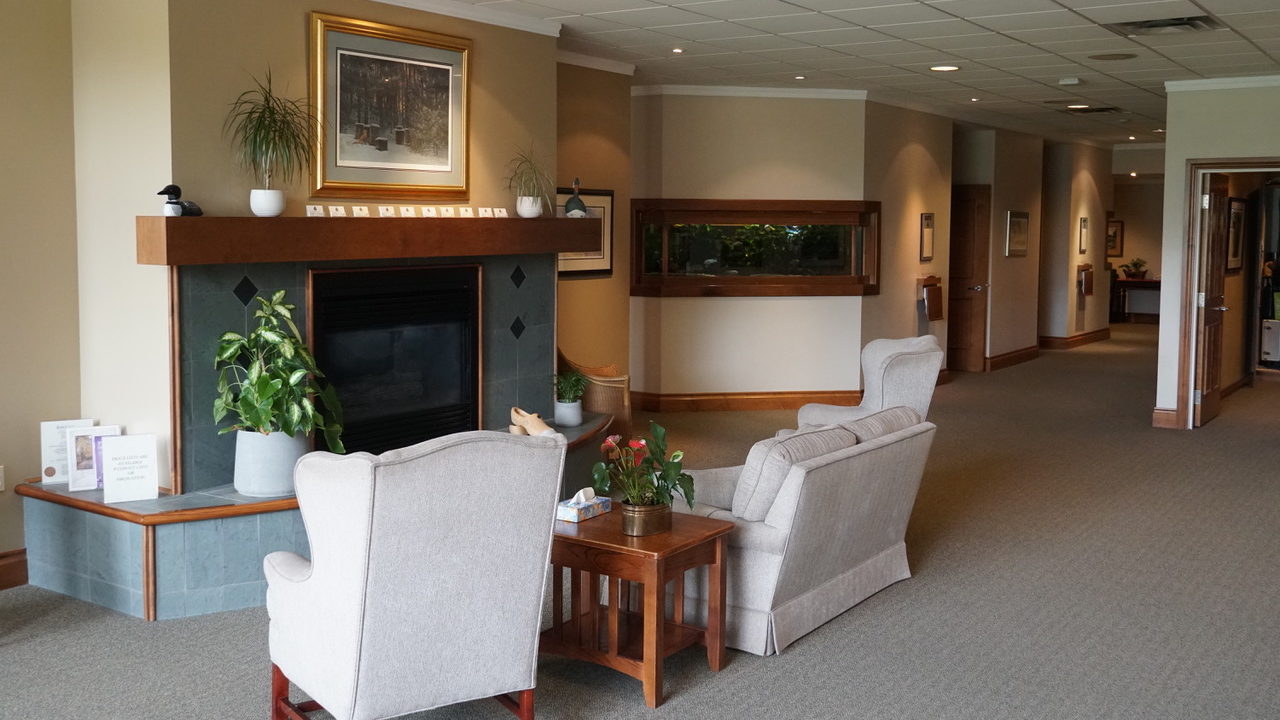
<point x="1069" y="561"/>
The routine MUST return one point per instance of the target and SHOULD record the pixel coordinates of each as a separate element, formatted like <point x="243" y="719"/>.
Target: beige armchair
<point x="426" y="579"/>
<point x="894" y="372"/>
<point x="608" y="392"/>
<point x="821" y="517"/>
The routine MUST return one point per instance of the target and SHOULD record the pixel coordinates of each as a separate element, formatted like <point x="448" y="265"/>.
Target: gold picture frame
<point x="393" y="109"/>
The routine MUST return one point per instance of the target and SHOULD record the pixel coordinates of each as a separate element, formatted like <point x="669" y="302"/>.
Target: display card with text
<point x="129" y="469"/>
<point x="53" y="448"/>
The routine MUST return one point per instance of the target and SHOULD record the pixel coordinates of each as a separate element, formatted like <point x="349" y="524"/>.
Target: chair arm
<point x="286" y="567"/>
<point x="820" y="414"/>
<point x="715" y="486"/>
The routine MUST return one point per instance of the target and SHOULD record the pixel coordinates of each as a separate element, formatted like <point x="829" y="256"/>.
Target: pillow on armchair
<point x="771" y="459"/>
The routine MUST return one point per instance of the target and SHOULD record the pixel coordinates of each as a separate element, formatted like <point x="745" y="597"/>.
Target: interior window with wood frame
<point x="738" y="248"/>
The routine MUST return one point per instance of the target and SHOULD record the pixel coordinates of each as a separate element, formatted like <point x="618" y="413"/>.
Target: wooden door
<point x="1213" y="268"/>
<point x="967" y="290"/>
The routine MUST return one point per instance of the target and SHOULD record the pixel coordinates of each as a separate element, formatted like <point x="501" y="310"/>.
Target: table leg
<point x="716" y="608"/>
<point x="575" y="602"/>
<point x="593" y="610"/>
<point x="677" y="612"/>
<point x="557" y="599"/>
<point x="615" y="589"/>
<point x="654" y="620"/>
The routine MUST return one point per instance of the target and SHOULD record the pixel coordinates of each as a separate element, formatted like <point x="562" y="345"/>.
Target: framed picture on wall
<point x="1084" y="235"/>
<point x="596" y="260"/>
<point x="1017" y="230"/>
<point x="926" y="237"/>
<point x="392" y="107"/>
<point x="1235" y="236"/>
<point x="1115" y="238"/>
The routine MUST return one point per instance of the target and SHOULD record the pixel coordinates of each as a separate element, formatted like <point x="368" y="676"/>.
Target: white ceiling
<point x="1012" y="53"/>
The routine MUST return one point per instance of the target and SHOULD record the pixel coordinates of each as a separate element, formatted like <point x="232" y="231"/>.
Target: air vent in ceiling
<point x="1097" y="110"/>
<point x="1166" y="26"/>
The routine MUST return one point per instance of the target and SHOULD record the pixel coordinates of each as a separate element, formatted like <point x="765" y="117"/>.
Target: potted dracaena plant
<point x="273" y="137"/>
<point x="1135" y="269"/>
<point x="268" y="381"/>
<point x="647" y="478"/>
<point x="530" y="183"/>
<point x="570" y="386"/>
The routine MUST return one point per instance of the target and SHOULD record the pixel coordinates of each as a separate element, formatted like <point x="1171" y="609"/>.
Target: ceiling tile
<point x="800" y="54"/>
<point x="1102" y="45"/>
<point x="1192" y="38"/>
<point x="919" y="57"/>
<point x="1051" y="20"/>
<point x="845" y="62"/>
<point x="933" y="29"/>
<point x="1220" y="7"/>
<point x="710" y="30"/>
<point x="1179" y="52"/>
<point x="1141" y="11"/>
<point x="805" y="22"/>
<point x="891" y="15"/>
<point x="583" y="7"/>
<point x="1003" y="53"/>
<point x="1245" y="21"/>
<point x="876" y="49"/>
<point x="739" y="9"/>
<point x="960" y="42"/>
<point x="847" y="35"/>
<point x="651" y="17"/>
<point x="981" y="8"/>
<point x="586" y="24"/>
<point x="542" y="11"/>
<point x="756" y="42"/>
<point x="1087" y="32"/>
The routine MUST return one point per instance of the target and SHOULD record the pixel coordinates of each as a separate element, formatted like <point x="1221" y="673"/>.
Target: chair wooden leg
<point x="281" y="707"/>
<point x="521" y="705"/>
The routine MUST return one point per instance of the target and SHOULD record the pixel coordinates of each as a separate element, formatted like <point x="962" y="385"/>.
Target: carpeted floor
<point x="1069" y="561"/>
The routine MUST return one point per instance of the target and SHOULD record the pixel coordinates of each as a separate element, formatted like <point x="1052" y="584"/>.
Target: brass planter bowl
<point x="638" y="520"/>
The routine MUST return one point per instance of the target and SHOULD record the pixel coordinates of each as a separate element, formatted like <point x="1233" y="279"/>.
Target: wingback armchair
<point x="821" y="517"/>
<point x="426" y="579"/>
<point x="894" y="372"/>
<point x="608" y="392"/>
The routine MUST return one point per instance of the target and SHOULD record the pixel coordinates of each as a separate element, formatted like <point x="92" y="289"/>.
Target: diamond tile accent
<point x="246" y="291"/>
<point x="517" y="327"/>
<point x="517" y="277"/>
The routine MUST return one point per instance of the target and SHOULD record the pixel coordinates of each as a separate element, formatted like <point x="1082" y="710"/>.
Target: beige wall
<point x="973" y="156"/>
<point x="40" y="360"/>
<point x="1012" y="316"/>
<point x="908" y="169"/>
<point x="122" y="139"/>
<point x="1146" y="159"/>
<point x="1140" y="205"/>
<point x="1077" y="183"/>
<point x="593" y="112"/>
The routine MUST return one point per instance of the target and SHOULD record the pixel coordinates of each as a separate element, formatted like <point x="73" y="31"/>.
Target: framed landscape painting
<point x="596" y="260"/>
<point x="1115" y="238"/>
<point x="392" y="105"/>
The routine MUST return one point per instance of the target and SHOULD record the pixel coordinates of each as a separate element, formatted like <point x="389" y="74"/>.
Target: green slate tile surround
<point x="515" y="370"/>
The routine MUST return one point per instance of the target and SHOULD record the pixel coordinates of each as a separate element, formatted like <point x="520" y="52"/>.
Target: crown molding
<point x="481" y="13"/>
<point x="595" y="63"/>
<point x="1231" y="83"/>
<point x="755" y="92"/>
<point x="1138" y="146"/>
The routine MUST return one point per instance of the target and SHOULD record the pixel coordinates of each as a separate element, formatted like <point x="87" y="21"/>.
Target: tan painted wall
<point x="1146" y="159"/>
<point x="908" y="169"/>
<point x="122" y="139"/>
<point x="40" y="360"/>
<point x="1235" y="123"/>
<point x="593" y="112"/>
<point x="973" y="156"/>
<point x="1012" y="316"/>
<point x="1077" y="183"/>
<point x="1140" y="204"/>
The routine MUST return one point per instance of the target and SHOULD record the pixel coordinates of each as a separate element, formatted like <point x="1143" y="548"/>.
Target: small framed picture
<point x="466" y="212"/>
<point x="1235" y="236"/>
<point x="408" y="211"/>
<point x="360" y="211"/>
<point x="1115" y="238"/>
<point x="429" y="211"/>
<point x="315" y="211"/>
<point x="446" y="211"/>
<point x="500" y="212"/>
<point x="337" y="211"/>
<point x="1084" y="235"/>
<point x="1017" y="229"/>
<point x="486" y="212"/>
<point x="386" y="211"/>
<point x="926" y="237"/>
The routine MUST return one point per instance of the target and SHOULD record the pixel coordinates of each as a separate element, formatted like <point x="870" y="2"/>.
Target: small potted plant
<point x="530" y="183"/>
<point x="1135" y="269"/>
<point x="647" y="478"/>
<point x="570" y="385"/>
<point x="269" y="382"/>
<point x="273" y="135"/>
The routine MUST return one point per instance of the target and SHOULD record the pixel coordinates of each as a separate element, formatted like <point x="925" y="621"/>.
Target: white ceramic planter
<point x="529" y="207"/>
<point x="266" y="203"/>
<point x="569" y="414"/>
<point x="264" y="463"/>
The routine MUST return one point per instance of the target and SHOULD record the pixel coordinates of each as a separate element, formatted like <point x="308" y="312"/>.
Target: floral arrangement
<point x="641" y="470"/>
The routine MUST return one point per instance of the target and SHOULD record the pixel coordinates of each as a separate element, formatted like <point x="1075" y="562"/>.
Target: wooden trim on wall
<point x="1166" y="419"/>
<point x="1228" y="389"/>
<point x="1009" y="359"/>
<point x="1050" y="342"/>
<point x="32" y="489"/>
<point x="149" y="573"/>
<point x="655" y="402"/>
<point x="175" y="382"/>
<point x="13" y="568"/>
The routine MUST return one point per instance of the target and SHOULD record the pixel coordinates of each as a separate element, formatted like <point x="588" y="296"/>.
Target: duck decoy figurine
<point x="174" y="207"/>
<point x="574" y="207"/>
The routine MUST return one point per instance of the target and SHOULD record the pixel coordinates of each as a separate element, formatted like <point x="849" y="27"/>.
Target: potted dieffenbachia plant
<point x="269" y="385"/>
<point x="570" y="386"/>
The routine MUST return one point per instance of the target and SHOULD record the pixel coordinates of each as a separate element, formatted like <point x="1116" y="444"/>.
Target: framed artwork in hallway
<point x="1084" y="235"/>
<point x="1115" y="238"/>
<point x="1017" y="230"/>
<point x="1235" y="236"/>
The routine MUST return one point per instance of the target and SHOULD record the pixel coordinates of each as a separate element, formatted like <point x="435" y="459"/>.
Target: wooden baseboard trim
<point x="1009" y="359"/>
<point x="13" y="568"/>
<point x="1228" y="389"/>
<point x="944" y="376"/>
<point x="1050" y="342"/>
<point x="1166" y="419"/>
<point x="655" y="402"/>
<point x="1145" y="318"/>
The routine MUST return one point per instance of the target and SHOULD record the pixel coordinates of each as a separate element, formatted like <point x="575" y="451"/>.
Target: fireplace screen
<point x="401" y="347"/>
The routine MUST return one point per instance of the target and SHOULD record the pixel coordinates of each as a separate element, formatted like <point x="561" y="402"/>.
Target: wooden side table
<point x="635" y="640"/>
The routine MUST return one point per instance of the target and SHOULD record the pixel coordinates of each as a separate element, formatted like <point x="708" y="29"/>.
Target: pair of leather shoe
<point x="526" y="423"/>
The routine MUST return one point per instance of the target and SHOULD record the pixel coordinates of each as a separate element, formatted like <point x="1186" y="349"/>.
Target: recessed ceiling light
<point x="1131" y="137"/>
<point x="945" y="68"/>
<point x="1113" y="56"/>
<point x="1077" y="106"/>
<point x="799" y="77"/>
<point x="973" y="99"/>
<point x="1133" y="174"/>
<point x="1159" y="130"/>
<point x="677" y="50"/>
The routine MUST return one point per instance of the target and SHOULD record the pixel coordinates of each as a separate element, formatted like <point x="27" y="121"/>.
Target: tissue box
<point x="571" y="511"/>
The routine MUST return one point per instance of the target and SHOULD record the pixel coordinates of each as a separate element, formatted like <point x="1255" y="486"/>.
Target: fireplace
<point x="401" y="347"/>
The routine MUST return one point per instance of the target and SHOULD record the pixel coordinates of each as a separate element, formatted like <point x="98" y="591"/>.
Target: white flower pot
<point x="266" y="203"/>
<point x="529" y="207"/>
<point x="264" y="463"/>
<point x="569" y="414"/>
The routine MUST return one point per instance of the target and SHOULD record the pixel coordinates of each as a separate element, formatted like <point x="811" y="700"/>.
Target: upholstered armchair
<point x="894" y="372"/>
<point x="426" y="579"/>
<point x="608" y="392"/>
<point x="821" y="517"/>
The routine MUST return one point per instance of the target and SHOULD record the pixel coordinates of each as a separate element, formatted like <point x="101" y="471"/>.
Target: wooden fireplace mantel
<point x="221" y="240"/>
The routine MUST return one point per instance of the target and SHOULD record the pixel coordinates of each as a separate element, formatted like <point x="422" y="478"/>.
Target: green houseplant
<point x="1135" y="268"/>
<point x="273" y="137"/>
<point x="570" y="385"/>
<point x="268" y="381"/>
<point x="530" y="183"/>
<point x="646" y="476"/>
